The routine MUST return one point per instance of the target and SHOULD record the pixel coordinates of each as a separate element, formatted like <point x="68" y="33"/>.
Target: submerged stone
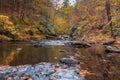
<point x="19" y="49"/>
<point x="69" y="61"/>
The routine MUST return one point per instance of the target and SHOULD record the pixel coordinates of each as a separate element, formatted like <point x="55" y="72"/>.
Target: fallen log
<point x="52" y="37"/>
<point x="80" y="44"/>
<point x="109" y="43"/>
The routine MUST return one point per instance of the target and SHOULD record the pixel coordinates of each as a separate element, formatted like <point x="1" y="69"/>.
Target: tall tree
<point x="108" y="10"/>
<point x="43" y="15"/>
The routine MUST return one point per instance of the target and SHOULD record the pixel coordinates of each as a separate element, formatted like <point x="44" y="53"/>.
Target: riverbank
<point x="98" y="36"/>
<point x="23" y="38"/>
<point x="91" y="38"/>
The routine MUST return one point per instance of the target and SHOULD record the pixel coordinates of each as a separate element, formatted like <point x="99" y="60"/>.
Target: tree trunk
<point x="108" y="10"/>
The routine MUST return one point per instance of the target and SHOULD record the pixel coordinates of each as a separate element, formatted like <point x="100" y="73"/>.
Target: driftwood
<point x="52" y="37"/>
<point x="80" y="44"/>
<point x="109" y="43"/>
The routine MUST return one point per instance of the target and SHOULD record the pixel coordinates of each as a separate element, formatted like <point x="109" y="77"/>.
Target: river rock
<point x="69" y="61"/>
<point x="52" y="42"/>
<point x="111" y="49"/>
<point x="66" y="74"/>
<point x="23" y="69"/>
<point x="42" y="71"/>
<point x="64" y="51"/>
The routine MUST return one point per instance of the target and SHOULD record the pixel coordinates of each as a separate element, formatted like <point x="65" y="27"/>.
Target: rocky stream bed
<point x="41" y="71"/>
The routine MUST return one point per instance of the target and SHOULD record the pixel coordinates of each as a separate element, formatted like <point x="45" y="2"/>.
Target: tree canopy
<point x="46" y="17"/>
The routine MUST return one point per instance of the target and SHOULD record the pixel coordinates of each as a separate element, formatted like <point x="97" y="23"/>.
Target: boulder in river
<point x="69" y="61"/>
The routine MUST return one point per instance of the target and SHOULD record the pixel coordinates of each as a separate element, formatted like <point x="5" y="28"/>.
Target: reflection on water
<point x="101" y="65"/>
<point x="21" y="53"/>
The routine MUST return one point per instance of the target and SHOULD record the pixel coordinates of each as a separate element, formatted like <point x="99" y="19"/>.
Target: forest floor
<point x="97" y="36"/>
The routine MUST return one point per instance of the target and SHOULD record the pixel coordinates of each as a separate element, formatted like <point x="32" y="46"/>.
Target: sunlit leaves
<point x="60" y="25"/>
<point x="7" y="26"/>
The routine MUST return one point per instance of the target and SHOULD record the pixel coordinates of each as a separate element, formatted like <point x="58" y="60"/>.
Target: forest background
<point x="95" y="20"/>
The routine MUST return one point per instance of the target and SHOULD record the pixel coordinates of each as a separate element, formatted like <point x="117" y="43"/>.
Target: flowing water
<point x="101" y="65"/>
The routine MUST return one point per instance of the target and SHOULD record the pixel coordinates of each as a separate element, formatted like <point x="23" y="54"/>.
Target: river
<point x="100" y="64"/>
